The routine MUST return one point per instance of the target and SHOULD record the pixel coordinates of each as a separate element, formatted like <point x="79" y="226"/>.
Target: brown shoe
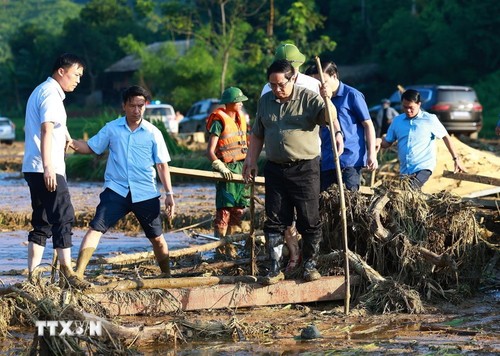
<point x="78" y="283"/>
<point x="273" y="278"/>
<point x="311" y="274"/>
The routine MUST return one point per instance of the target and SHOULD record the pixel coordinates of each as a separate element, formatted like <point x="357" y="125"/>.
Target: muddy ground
<point x="469" y="326"/>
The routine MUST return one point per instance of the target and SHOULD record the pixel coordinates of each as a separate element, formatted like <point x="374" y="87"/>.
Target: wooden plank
<point x="226" y="296"/>
<point x="472" y="178"/>
<point x="199" y="173"/>
<point x="483" y="193"/>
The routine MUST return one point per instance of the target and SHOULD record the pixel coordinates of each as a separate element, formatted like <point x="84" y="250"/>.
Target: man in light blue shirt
<point x="135" y="147"/>
<point x="416" y="132"/>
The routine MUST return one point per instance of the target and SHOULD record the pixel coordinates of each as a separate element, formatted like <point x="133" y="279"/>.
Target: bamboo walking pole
<point x="341" y="193"/>
<point x="253" y="262"/>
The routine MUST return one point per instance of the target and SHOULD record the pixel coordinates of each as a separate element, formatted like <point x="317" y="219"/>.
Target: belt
<point x="288" y="164"/>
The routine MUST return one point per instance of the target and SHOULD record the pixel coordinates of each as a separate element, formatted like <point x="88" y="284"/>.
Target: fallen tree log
<point x="165" y="283"/>
<point x="146" y="256"/>
<point x="210" y="267"/>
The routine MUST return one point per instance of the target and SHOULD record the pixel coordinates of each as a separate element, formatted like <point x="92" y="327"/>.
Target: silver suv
<point x="7" y="131"/>
<point x="457" y="107"/>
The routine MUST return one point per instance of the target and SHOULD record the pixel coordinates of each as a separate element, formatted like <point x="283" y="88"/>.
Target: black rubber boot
<point x="275" y="250"/>
<point x="311" y="253"/>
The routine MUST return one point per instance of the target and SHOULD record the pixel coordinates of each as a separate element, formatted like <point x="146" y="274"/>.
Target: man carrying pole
<point x="287" y="123"/>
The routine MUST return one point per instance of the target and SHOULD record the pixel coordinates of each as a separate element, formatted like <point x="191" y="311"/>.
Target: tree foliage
<point x="233" y="42"/>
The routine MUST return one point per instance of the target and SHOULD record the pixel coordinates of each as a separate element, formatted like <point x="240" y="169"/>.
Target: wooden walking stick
<point x="253" y="262"/>
<point x="341" y="193"/>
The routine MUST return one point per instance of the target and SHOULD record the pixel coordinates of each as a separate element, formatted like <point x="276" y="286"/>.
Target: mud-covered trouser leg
<point x="221" y="221"/>
<point x="275" y="250"/>
<point x="310" y="250"/>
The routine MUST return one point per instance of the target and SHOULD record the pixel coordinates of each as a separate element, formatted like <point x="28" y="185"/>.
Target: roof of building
<point x="132" y="63"/>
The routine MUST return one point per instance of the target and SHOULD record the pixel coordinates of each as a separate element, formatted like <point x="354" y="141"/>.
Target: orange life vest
<point x="232" y="145"/>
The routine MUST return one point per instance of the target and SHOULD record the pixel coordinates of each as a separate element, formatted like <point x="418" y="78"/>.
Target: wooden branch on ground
<point x="379" y="231"/>
<point x="472" y="178"/>
<point x="209" y="267"/>
<point x="443" y="260"/>
<point x="165" y="283"/>
<point x="145" y="256"/>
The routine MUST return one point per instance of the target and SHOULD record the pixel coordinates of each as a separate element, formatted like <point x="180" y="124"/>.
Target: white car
<point x="164" y="113"/>
<point x="7" y="131"/>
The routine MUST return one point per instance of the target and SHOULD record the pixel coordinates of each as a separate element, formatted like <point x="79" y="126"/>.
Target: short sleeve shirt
<point x="45" y="104"/>
<point x="416" y="141"/>
<point x="132" y="157"/>
<point x="352" y="111"/>
<point x="290" y="129"/>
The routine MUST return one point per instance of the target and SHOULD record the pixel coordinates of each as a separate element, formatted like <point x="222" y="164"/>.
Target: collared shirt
<point x="45" y="104"/>
<point x="132" y="156"/>
<point x="416" y="141"/>
<point x="352" y="111"/>
<point x="290" y="129"/>
<point x="302" y="80"/>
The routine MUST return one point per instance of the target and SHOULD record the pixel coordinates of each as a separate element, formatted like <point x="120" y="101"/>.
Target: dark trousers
<point x="53" y="214"/>
<point x="351" y="177"/>
<point x="289" y="187"/>
<point x="419" y="178"/>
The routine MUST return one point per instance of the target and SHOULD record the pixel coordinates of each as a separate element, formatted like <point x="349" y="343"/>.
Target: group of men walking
<point x="291" y="124"/>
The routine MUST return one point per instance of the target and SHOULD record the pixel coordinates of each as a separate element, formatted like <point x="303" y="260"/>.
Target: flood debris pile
<point x="28" y="304"/>
<point x="424" y="247"/>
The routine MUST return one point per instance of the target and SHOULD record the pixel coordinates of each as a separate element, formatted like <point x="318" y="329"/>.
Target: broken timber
<point x="198" y="173"/>
<point x="224" y="296"/>
<point x="238" y="178"/>
<point x="472" y="178"/>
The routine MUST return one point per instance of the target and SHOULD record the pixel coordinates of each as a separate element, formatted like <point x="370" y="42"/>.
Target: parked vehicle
<point x="457" y="107"/>
<point x="197" y="115"/>
<point x="7" y="131"/>
<point x="164" y="113"/>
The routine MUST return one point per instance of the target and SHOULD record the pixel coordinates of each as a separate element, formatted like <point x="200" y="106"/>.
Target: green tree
<point x="95" y="35"/>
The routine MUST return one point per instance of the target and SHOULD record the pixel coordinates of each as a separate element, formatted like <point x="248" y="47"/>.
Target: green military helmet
<point x="291" y="53"/>
<point x="232" y="95"/>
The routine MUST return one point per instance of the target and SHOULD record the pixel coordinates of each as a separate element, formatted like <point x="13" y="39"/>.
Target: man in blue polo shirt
<point x="416" y="132"/>
<point x="357" y="129"/>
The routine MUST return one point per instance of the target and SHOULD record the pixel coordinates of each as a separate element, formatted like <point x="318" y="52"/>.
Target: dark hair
<point x="281" y="66"/>
<point x="134" y="91"/>
<point x="411" y="95"/>
<point x="67" y="60"/>
<point x="328" y="67"/>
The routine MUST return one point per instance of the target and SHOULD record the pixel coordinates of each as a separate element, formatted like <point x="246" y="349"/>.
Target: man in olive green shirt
<point x="287" y="123"/>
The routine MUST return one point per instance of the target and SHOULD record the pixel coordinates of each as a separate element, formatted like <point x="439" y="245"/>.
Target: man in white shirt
<point x="45" y="170"/>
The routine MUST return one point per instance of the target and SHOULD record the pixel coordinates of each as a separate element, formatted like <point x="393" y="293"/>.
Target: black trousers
<point x="53" y="214"/>
<point x="294" y="188"/>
